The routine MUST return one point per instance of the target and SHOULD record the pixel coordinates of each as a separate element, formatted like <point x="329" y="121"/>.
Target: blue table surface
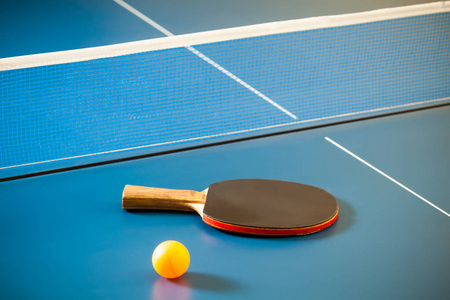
<point x="30" y="27"/>
<point x="65" y="235"/>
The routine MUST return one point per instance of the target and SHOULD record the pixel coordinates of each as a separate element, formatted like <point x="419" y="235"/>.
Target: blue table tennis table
<point x="65" y="236"/>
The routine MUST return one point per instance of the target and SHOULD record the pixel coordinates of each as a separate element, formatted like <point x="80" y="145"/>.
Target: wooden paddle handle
<point x="139" y="197"/>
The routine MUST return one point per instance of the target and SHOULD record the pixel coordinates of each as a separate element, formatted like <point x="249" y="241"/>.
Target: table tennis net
<point x="82" y="107"/>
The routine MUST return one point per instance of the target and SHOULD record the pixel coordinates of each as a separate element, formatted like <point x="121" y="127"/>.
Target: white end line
<point x="385" y="175"/>
<point x="205" y="58"/>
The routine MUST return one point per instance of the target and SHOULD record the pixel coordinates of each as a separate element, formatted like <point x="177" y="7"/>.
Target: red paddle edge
<point x="271" y="231"/>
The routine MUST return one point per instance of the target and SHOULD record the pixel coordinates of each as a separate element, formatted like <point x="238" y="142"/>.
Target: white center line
<point x="387" y="176"/>
<point x="205" y="58"/>
<point x="143" y="17"/>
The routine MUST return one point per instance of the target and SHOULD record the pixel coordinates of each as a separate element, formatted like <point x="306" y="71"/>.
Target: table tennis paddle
<point x="247" y="206"/>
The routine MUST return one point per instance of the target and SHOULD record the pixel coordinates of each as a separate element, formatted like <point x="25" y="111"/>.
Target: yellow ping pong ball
<point x="170" y="259"/>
